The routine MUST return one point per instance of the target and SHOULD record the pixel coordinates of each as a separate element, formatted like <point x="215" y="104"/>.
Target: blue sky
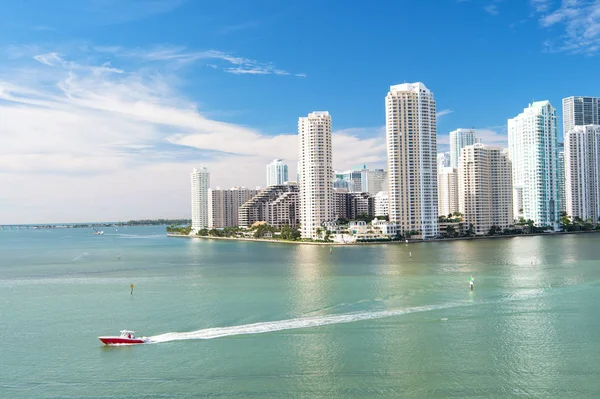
<point x="106" y="105"/>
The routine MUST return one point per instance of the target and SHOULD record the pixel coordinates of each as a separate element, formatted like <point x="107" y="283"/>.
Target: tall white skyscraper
<point x="447" y="191"/>
<point x="580" y="111"/>
<point x="485" y="188"/>
<point x="412" y="163"/>
<point x="200" y="179"/>
<point x="562" y="193"/>
<point x="532" y="142"/>
<point x="582" y="172"/>
<point x="460" y="138"/>
<point x="315" y="172"/>
<point x="277" y="173"/>
<point x="443" y="160"/>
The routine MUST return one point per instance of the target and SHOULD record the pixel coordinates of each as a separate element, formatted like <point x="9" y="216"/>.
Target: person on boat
<point x="129" y="336"/>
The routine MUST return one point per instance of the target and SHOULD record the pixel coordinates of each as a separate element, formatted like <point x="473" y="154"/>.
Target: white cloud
<point x="491" y="9"/>
<point x="579" y="20"/>
<point x="178" y="55"/>
<point x="81" y="142"/>
<point x="442" y="113"/>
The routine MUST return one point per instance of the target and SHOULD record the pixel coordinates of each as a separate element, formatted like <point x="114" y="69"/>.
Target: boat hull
<point x="120" y="341"/>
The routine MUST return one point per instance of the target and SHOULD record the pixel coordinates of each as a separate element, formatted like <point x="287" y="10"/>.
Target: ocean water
<point x="242" y="319"/>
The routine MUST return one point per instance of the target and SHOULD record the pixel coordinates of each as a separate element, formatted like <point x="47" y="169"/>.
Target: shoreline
<point x="387" y="242"/>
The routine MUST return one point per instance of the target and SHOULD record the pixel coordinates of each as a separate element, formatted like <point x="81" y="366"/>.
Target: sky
<point x="107" y="105"/>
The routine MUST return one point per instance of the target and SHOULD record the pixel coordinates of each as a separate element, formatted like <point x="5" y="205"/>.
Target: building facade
<point x="532" y="142"/>
<point x="277" y="173"/>
<point x="561" y="183"/>
<point x="363" y="180"/>
<point x="412" y="162"/>
<point x="277" y="205"/>
<point x="582" y="172"/>
<point x="315" y="172"/>
<point x="580" y="111"/>
<point x="200" y="182"/>
<point x="447" y="191"/>
<point x="223" y="206"/>
<point x="350" y="206"/>
<point x="443" y="160"/>
<point x="460" y="138"/>
<point x="373" y="181"/>
<point x="382" y="204"/>
<point x="485" y="188"/>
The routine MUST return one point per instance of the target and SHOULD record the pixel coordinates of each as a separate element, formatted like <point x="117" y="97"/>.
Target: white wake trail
<point x="303" y="322"/>
<point x="318" y="321"/>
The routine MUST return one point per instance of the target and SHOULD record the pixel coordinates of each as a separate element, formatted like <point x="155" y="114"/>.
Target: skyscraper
<point x="315" y="171"/>
<point x="582" y="172"/>
<point x="412" y="163"/>
<point x="443" y="160"/>
<point x="447" y="191"/>
<point x="580" y="111"/>
<point x="532" y="142"/>
<point x="560" y="173"/>
<point x="277" y="173"/>
<point x="223" y="206"/>
<point x="200" y="179"/>
<point x="485" y="188"/>
<point x="460" y="138"/>
<point x="373" y="181"/>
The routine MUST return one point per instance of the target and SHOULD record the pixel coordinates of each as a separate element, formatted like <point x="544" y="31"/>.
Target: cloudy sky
<point x="107" y="105"/>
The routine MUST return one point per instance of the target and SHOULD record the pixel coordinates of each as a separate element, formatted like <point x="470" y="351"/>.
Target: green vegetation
<point x="286" y="233"/>
<point x="176" y="229"/>
<point x="155" y="222"/>
<point x="578" y="224"/>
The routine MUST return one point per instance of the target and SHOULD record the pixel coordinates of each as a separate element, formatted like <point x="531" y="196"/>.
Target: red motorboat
<point x="126" y="338"/>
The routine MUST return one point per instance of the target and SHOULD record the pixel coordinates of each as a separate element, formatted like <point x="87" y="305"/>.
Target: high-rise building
<point x="223" y="206"/>
<point x="373" y="181"/>
<point x="412" y="162"/>
<point x="200" y="179"/>
<point x="351" y="205"/>
<point x="532" y="142"/>
<point x="582" y="172"/>
<point x="460" y="138"/>
<point x="443" y="160"/>
<point x="353" y="177"/>
<point x="277" y="173"/>
<point x="343" y="184"/>
<point x="315" y="171"/>
<point x="382" y="204"/>
<point x="363" y="180"/>
<point x="485" y="188"/>
<point x="562" y="194"/>
<point x="447" y="191"/>
<point x="277" y="205"/>
<point x="580" y="111"/>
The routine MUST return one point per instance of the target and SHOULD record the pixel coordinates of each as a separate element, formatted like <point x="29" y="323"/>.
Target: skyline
<point x="106" y="107"/>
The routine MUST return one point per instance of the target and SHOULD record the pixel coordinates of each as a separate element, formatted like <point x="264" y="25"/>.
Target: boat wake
<point x="318" y="321"/>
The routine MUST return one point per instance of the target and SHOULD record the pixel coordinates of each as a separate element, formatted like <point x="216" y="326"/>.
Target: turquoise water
<point x="239" y="319"/>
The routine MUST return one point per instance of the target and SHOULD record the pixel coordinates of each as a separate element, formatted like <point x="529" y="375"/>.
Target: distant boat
<point x="98" y="232"/>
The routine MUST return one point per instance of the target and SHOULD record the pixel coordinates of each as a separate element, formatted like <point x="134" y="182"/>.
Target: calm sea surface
<point x="239" y="319"/>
